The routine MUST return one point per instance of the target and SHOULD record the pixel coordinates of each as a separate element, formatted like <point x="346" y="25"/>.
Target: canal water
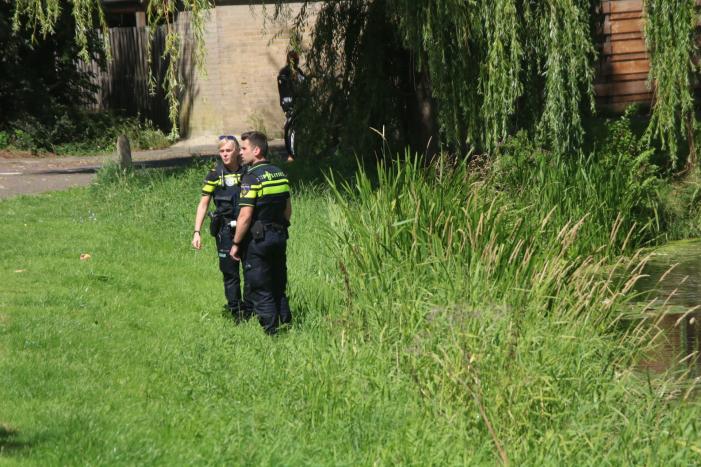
<point x="671" y="291"/>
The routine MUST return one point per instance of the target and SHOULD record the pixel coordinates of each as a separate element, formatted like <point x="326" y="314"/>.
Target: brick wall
<point x="239" y="91"/>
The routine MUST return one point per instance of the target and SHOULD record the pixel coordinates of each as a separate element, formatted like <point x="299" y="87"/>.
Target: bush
<point x="681" y="207"/>
<point x="614" y="186"/>
<point x="76" y="133"/>
<point x="144" y="135"/>
<point x="4" y="140"/>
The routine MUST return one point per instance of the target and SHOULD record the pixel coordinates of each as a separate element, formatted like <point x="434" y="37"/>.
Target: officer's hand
<point x="235" y="253"/>
<point x="196" y="241"/>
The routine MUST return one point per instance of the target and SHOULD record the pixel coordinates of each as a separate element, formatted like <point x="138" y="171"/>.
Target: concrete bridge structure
<point x="236" y="92"/>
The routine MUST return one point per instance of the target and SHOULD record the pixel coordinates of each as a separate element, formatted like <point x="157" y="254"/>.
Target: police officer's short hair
<point x="257" y="139"/>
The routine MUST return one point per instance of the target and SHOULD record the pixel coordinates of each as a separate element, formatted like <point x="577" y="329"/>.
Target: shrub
<point x="69" y="132"/>
<point x="614" y="185"/>
<point x="681" y="207"/>
<point x="144" y="135"/>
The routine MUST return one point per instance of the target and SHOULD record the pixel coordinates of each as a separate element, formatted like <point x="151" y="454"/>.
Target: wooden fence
<point x="123" y="84"/>
<point x="623" y="60"/>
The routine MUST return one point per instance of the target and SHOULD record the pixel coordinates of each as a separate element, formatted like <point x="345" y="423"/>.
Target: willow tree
<point x="478" y="70"/>
<point x="40" y="18"/>
<point x="670" y="33"/>
<point x="492" y="67"/>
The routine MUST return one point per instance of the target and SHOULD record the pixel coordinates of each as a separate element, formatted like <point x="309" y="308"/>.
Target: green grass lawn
<point x="125" y="358"/>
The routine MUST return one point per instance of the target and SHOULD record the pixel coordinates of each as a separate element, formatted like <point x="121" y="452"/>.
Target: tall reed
<point x="501" y="304"/>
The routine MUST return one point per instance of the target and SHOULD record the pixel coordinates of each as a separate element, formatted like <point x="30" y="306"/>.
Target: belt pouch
<point x="215" y="223"/>
<point x="257" y="230"/>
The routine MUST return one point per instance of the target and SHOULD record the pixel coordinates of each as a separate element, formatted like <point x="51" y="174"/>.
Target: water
<point x="672" y="291"/>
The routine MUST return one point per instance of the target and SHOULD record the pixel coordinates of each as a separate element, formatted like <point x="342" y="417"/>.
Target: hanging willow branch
<point x="500" y="76"/>
<point x="163" y="11"/>
<point x="443" y="35"/>
<point x="40" y="16"/>
<point x="670" y="35"/>
<point x="569" y="55"/>
<point x="37" y="16"/>
<point x="493" y="66"/>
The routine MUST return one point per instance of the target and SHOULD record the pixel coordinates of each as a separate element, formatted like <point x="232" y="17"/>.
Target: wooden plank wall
<point x="123" y="85"/>
<point x="623" y="61"/>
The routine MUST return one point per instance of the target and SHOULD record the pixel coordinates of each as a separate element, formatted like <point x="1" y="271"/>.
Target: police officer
<point x="223" y="183"/>
<point x="261" y="232"/>
<point x="289" y="82"/>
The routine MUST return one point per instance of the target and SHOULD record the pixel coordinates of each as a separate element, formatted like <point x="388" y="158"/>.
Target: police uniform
<point x="224" y="187"/>
<point x="289" y="82"/>
<point x="266" y="189"/>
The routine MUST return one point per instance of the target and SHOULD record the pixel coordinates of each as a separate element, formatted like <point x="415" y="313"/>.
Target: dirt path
<point x="29" y="175"/>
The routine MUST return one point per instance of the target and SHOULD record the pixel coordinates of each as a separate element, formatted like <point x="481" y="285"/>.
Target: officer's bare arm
<point x="199" y="220"/>
<point x="288" y="210"/>
<point x="201" y="212"/>
<point x="243" y="223"/>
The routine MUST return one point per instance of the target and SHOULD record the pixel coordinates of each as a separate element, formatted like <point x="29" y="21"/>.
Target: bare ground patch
<point x="17" y="154"/>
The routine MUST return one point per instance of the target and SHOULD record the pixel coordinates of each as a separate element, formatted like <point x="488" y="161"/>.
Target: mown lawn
<point x="125" y="358"/>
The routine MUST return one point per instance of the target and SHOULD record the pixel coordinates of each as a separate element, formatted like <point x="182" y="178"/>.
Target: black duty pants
<point x="289" y="133"/>
<point x="240" y="307"/>
<point x="265" y="271"/>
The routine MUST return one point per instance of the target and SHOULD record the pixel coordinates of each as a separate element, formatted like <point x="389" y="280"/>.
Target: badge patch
<point x="245" y="189"/>
<point x="229" y="181"/>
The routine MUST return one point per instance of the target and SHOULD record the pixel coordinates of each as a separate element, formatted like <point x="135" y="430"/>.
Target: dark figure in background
<point x="289" y="81"/>
<point x="261" y="233"/>
<point x="223" y="183"/>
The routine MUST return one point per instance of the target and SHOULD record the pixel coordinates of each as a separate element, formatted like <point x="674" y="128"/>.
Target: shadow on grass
<point x="301" y="172"/>
<point x="10" y="444"/>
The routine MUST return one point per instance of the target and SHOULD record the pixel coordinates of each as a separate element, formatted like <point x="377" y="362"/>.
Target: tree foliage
<point x="670" y="32"/>
<point x="481" y="70"/>
<point x="492" y="67"/>
<point x="361" y="78"/>
<point x="39" y="82"/>
<point x="42" y="19"/>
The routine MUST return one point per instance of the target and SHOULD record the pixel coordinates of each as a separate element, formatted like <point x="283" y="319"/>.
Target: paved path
<point x="40" y="174"/>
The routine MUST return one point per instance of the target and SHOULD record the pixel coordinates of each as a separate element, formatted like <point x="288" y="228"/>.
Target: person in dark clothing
<point x="223" y="184"/>
<point x="289" y="81"/>
<point x="261" y="232"/>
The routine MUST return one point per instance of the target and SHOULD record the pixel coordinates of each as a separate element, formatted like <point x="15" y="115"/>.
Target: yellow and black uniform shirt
<point x="224" y="186"/>
<point x="265" y="188"/>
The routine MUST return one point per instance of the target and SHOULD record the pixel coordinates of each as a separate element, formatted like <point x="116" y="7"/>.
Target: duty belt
<point x="274" y="226"/>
